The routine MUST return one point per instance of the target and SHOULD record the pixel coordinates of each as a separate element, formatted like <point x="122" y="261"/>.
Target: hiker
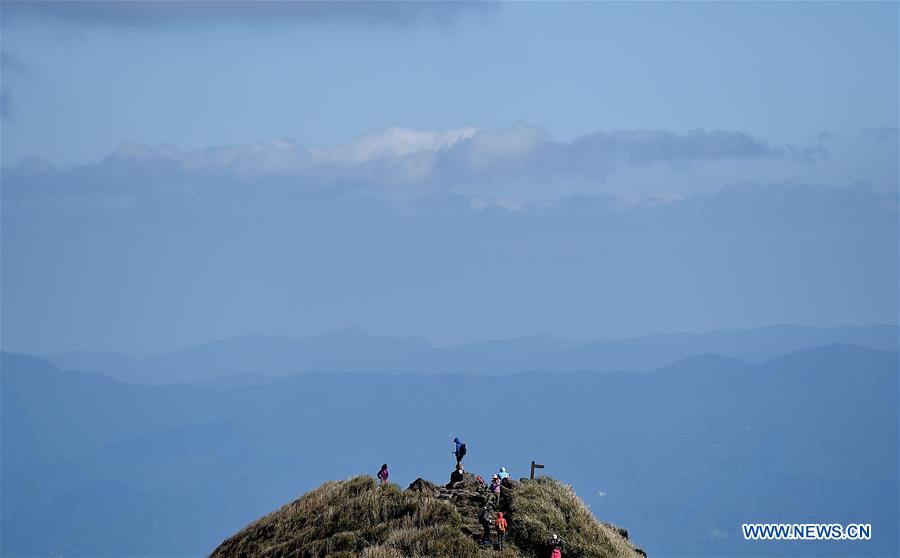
<point x="383" y="474"/>
<point x="555" y="543"/>
<point x="456" y="476"/>
<point x="485" y="520"/>
<point x="501" y="529"/>
<point x="503" y="474"/>
<point x="495" y="488"/>
<point x="458" y="473"/>
<point x="460" y="450"/>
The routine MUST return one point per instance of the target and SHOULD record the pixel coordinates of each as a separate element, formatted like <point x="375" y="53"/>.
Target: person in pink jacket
<point x="495" y="489"/>
<point x="555" y="543"/>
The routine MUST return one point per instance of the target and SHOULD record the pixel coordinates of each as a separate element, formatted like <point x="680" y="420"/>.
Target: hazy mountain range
<point x="681" y="455"/>
<point x="248" y="359"/>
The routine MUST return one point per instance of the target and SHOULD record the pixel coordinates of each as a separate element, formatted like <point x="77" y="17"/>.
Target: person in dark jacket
<point x="458" y="474"/>
<point x="485" y="520"/>
<point x="383" y="474"/>
<point x="460" y="450"/>
<point x="555" y="543"/>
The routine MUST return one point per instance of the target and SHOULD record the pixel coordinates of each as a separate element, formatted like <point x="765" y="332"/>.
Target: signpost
<point x="535" y="466"/>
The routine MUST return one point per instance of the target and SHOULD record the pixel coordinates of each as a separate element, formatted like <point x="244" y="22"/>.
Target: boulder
<point x="422" y="485"/>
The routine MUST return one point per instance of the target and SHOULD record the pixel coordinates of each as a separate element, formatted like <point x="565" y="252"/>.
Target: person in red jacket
<point x="501" y="529"/>
<point x="383" y="474"/>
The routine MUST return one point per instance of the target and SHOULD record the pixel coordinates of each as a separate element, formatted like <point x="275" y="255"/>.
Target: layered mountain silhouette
<point x="253" y="359"/>
<point x="681" y="455"/>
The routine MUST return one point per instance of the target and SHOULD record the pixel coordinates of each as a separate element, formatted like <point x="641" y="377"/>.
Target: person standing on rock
<point x="383" y="474"/>
<point x="495" y="489"/>
<point x="555" y="543"/>
<point x="485" y="520"/>
<point x="501" y="529"/>
<point x="460" y="450"/>
<point x="503" y="474"/>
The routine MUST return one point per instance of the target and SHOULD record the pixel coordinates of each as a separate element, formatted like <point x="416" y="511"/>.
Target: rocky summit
<point x="359" y="517"/>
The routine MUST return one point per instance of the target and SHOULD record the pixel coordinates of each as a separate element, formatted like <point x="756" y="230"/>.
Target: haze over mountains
<point x="175" y="174"/>
<point x="248" y="359"/>
<point x="680" y="455"/>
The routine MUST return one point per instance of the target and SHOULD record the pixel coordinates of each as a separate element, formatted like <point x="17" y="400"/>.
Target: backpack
<point x="462" y="450"/>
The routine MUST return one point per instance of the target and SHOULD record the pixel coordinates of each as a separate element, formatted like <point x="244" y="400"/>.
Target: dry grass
<point x="539" y="508"/>
<point x="357" y="517"/>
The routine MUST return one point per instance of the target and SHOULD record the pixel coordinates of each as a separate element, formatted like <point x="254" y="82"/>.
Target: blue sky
<point x="130" y="130"/>
<point x="784" y="72"/>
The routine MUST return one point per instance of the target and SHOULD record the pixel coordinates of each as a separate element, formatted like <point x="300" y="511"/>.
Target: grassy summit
<point x="356" y="517"/>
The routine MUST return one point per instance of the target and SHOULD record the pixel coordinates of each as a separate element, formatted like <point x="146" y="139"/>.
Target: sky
<point x="175" y="173"/>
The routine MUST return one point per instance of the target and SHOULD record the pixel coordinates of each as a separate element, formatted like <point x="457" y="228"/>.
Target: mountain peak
<point x="359" y="517"/>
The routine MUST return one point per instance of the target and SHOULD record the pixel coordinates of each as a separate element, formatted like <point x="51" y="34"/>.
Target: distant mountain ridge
<point x="681" y="455"/>
<point x="253" y="357"/>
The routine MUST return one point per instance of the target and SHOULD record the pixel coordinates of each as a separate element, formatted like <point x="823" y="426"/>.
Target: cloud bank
<point x="156" y="244"/>
<point x="424" y="161"/>
<point x="881" y="133"/>
<point x="150" y="13"/>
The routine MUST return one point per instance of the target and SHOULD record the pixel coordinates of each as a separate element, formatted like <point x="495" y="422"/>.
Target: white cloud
<point x="403" y="156"/>
<point x="392" y="144"/>
<point x="514" y="168"/>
